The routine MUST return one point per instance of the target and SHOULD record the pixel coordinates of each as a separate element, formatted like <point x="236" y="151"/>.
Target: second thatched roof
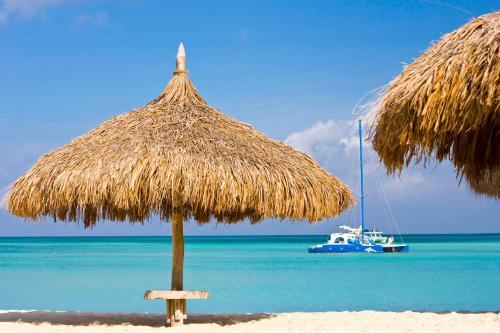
<point x="446" y="104"/>
<point x="489" y="185"/>
<point x="177" y="153"/>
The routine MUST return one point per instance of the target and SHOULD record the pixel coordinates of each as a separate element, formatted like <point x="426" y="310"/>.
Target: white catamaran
<point x="359" y="239"/>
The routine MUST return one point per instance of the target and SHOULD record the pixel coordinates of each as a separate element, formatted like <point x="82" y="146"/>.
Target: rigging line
<point x="388" y="207"/>
<point x="388" y="220"/>
<point x="392" y="215"/>
<point x="386" y="214"/>
<point x="353" y="180"/>
<point x="361" y="108"/>
<point x="442" y="3"/>
<point x="358" y="194"/>
<point x="351" y="216"/>
<point x="355" y="216"/>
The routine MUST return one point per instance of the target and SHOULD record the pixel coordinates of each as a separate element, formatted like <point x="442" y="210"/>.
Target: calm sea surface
<point x="250" y="274"/>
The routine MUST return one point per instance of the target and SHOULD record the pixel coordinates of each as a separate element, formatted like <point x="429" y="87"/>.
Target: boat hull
<point x="396" y="248"/>
<point x="345" y="248"/>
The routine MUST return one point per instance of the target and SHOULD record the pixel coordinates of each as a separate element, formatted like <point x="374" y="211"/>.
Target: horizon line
<point x="235" y="235"/>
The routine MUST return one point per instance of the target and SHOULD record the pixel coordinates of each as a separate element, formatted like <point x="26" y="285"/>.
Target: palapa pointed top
<point x="177" y="154"/>
<point x="181" y="60"/>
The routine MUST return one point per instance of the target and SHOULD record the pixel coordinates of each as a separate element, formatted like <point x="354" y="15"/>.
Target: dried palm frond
<point x="446" y="104"/>
<point x="489" y="185"/>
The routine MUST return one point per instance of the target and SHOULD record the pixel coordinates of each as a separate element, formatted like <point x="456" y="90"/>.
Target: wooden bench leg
<point x="184" y="307"/>
<point x="176" y="312"/>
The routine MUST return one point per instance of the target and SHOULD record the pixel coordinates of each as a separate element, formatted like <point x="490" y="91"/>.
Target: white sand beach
<point x="364" y="321"/>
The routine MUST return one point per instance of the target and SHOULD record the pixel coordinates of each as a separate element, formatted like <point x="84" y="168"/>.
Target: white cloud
<point x="25" y="8"/>
<point x="334" y="144"/>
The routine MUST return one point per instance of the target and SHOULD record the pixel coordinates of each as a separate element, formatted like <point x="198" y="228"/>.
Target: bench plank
<point x="176" y="294"/>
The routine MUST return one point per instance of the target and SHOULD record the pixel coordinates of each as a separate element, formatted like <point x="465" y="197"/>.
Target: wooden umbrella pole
<point x="177" y="251"/>
<point x="176" y="308"/>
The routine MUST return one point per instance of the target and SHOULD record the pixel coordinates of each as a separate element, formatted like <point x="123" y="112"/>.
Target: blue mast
<point x="362" y="187"/>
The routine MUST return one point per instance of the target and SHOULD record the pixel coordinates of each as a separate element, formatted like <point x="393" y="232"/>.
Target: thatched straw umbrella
<point x="178" y="158"/>
<point x="446" y="104"/>
<point x="489" y="185"/>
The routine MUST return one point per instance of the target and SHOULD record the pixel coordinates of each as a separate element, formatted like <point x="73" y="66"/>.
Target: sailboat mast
<point x="362" y="187"/>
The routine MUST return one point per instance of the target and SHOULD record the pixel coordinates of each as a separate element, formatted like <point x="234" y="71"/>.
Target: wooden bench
<point x="176" y="302"/>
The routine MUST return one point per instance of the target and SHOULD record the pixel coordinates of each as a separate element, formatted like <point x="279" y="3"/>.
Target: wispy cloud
<point x="25" y="8"/>
<point x="334" y="144"/>
<point x="97" y="21"/>
<point x="242" y="35"/>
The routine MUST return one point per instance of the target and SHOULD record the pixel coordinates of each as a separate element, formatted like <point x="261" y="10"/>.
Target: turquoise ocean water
<point x="250" y="274"/>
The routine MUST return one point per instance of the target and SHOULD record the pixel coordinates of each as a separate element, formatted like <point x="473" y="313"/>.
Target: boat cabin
<point x="342" y="238"/>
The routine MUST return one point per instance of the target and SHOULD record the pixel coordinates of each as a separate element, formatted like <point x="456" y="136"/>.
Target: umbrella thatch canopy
<point x="446" y="104"/>
<point x="177" y="152"/>
<point x="489" y="185"/>
<point x="179" y="158"/>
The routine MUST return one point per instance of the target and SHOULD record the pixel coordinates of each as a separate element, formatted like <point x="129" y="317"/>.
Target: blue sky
<point x="293" y="69"/>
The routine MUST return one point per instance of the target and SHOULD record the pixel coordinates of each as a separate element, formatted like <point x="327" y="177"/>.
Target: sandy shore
<point x="364" y="321"/>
